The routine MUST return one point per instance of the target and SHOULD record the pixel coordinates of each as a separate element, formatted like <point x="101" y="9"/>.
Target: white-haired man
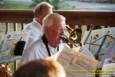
<point x="49" y="46"/>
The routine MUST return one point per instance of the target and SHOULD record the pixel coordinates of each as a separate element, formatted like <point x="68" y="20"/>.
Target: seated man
<point x="49" y="46"/>
<point x="40" y="68"/>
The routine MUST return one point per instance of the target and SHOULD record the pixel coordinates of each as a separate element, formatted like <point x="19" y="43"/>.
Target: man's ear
<point x="39" y="19"/>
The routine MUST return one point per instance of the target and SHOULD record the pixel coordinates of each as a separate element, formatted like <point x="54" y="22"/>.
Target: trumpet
<point x="69" y="42"/>
<point x="74" y="38"/>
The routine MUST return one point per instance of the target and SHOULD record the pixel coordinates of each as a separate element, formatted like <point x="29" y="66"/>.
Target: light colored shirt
<point x="39" y="51"/>
<point x="35" y="30"/>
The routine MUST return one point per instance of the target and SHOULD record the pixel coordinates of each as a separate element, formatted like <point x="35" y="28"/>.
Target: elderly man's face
<point x="54" y="33"/>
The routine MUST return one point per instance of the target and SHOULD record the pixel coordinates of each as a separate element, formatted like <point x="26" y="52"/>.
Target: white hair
<point x="48" y="20"/>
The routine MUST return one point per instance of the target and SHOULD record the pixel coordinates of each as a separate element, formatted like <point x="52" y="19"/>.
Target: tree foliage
<point x="55" y="3"/>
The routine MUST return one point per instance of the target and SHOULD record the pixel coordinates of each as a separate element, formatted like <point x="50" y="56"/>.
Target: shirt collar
<point x="36" y="22"/>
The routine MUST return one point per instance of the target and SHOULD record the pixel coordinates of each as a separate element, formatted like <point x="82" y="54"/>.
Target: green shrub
<point x="55" y="3"/>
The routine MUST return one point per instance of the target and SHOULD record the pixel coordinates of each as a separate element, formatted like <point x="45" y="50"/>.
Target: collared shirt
<point x="35" y="29"/>
<point x="39" y="51"/>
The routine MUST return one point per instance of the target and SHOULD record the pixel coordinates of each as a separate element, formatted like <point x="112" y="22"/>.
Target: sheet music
<point x="96" y="38"/>
<point x="2" y="36"/>
<point x="8" y="42"/>
<point x="77" y="63"/>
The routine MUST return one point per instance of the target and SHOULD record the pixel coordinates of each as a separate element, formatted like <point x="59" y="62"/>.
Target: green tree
<point x="55" y="3"/>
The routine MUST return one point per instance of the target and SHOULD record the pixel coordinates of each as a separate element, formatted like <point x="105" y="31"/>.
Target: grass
<point x="15" y="5"/>
<point x="25" y="5"/>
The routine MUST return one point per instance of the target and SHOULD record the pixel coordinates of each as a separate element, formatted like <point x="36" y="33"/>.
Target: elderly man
<point x="50" y="45"/>
<point x="35" y="27"/>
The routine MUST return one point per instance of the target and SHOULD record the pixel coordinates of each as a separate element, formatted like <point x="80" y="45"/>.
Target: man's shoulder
<point x="28" y="26"/>
<point x="33" y="26"/>
<point x="38" y="42"/>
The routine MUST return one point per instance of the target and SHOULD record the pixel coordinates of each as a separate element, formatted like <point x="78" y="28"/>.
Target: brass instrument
<point x="74" y="38"/>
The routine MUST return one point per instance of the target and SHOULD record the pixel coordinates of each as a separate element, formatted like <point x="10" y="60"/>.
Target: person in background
<point x="40" y="68"/>
<point x="35" y="27"/>
<point x="50" y="45"/>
